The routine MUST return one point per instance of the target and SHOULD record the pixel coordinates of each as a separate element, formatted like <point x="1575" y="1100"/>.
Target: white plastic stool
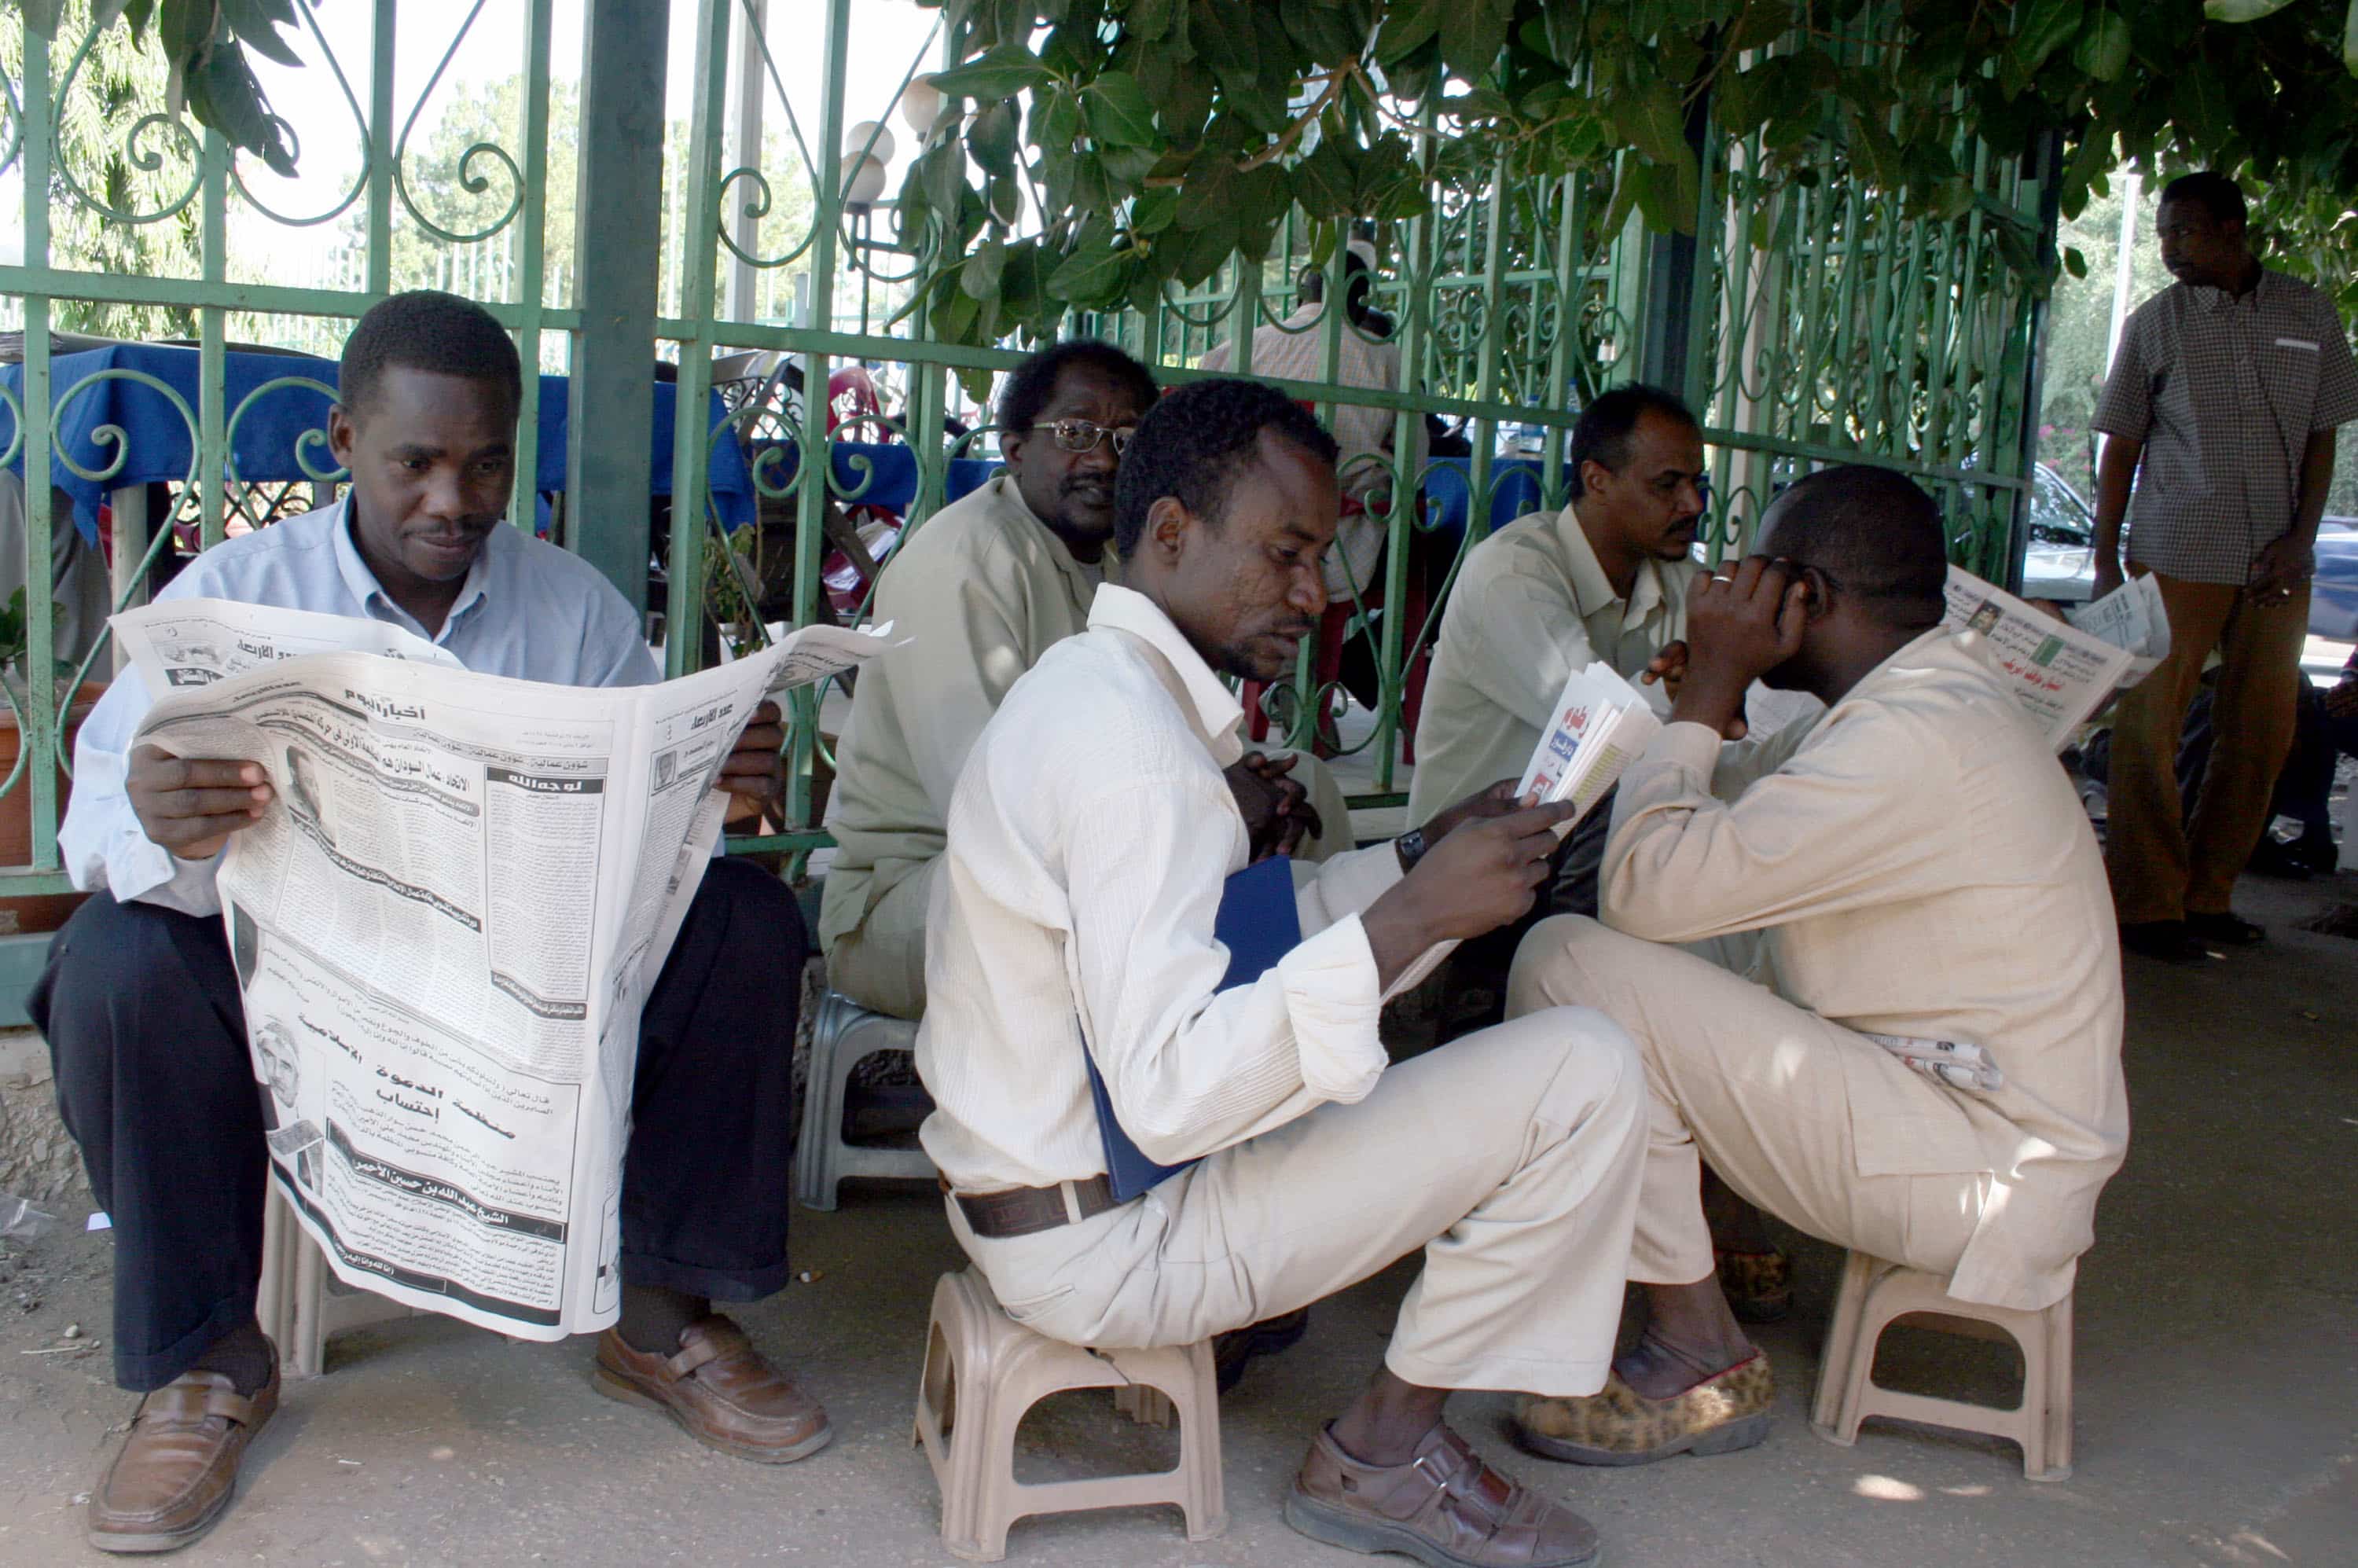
<point x="983" y="1370"/>
<point x="301" y="1304"/>
<point x="1874" y="1293"/>
<point x="845" y="1035"/>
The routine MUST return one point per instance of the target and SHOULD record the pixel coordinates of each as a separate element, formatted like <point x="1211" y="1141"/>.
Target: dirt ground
<point x="2216" y="1384"/>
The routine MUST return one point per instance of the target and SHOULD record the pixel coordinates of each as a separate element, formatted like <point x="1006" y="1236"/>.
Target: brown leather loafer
<point x="177" y="1470"/>
<point x="720" y="1391"/>
<point x="1445" y="1508"/>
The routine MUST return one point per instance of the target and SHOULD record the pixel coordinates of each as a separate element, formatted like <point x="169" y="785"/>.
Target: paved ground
<point x="2218" y="1378"/>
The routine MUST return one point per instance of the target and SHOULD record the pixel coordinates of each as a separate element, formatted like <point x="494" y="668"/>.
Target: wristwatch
<point x="1410" y="847"/>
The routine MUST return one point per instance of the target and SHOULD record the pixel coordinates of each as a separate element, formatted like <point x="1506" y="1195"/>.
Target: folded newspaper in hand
<point x="443" y="927"/>
<point x="1601" y="724"/>
<point x="2061" y="672"/>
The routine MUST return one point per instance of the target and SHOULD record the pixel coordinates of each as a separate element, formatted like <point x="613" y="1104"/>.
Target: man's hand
<point x="1276" y="807"/>
<point x="1471" y="882"/>
<point x="1669" y="666"/>
<point x="754" y="772"/>
<point x="1496" y="801"/>
<point x="1739" y="627"/>
<point x="2342" y="699"/>
<point x="191" y="807"/>
<point x="2283" y="567"/>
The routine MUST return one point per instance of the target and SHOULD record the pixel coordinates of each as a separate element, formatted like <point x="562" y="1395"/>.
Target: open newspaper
<point x="1601" y="724"/>
<point x="2061" y="672"/>
<point x="444" y="928"/>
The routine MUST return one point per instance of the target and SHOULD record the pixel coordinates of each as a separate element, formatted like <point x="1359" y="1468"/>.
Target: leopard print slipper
<point x="1725" y="1411"/>
<point x="1758" y="1285"/>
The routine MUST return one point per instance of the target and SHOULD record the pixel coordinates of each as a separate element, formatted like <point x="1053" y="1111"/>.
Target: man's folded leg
<point x="1511" y="1156"/>
<point x="155" y="1082"/>
<point x="706" y="1177"/>
<point x="1759" y="1088"/>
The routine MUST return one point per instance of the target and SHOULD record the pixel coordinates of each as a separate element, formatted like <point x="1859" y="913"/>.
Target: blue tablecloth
<point x="158" y="444"/>
<point x="879" y="473"/>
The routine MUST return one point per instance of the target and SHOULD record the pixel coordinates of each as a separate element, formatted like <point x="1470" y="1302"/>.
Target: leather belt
<point x="1027" y="1211"/>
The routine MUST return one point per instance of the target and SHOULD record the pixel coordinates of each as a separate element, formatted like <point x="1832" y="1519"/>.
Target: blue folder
<point x="1259" y="924"/>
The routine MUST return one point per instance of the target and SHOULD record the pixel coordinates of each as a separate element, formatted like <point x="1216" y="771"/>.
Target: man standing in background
<point x="2228" y="385"/>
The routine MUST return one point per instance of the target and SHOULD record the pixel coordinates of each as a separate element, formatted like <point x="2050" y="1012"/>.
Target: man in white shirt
<point x="1090" y="837"/>
<point x="1919" y="870"/>
<point x="141" y="1001"/>
<point x="989" y="583"/>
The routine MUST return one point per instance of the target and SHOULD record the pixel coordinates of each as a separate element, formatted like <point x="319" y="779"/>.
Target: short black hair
<point x="1603" y="431"/>
<point x="2213" y="192"/>
<point x="1031" y="384"/>
<point x="429" y="330"/>
<point x="1874" y="530"/>
<point x="1191" y="443"/>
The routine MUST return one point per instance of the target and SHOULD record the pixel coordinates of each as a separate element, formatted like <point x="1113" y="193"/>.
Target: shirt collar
<point x="1215" y="706"/>
<point x="371" y="594"/>
<point x="2220" y="300"/>
<point x="1088" y="573"/>
<point x="1592" y="591"/>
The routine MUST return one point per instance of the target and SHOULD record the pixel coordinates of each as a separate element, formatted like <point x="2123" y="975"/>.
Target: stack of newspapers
<point x="2062" y="670"/>
<point x="1601" y="723"/>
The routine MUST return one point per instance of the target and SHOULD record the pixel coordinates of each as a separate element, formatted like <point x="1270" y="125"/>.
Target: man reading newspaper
<point x="1090" y="837"/>
<point x="1930" y="1071"/>
<point x="141" y="1001"/>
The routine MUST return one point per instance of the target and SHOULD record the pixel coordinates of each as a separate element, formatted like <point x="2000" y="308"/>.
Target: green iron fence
<point x="1807" y="323"/>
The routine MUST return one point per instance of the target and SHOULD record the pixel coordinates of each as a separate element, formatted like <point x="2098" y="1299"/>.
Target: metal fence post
<point x="616" y="250"/>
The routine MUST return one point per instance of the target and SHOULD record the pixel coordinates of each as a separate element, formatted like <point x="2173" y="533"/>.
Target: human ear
<point x="342" y="434"/>
<point x="1166" y="526"/>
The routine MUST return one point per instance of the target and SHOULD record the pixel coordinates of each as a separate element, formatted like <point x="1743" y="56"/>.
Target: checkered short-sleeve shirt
<point x="2223" y="393"/>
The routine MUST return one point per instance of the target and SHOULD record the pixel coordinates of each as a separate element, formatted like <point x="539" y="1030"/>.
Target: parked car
<point x="2060" y="562"/>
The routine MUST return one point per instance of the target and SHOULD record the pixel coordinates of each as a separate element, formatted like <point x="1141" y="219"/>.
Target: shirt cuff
<point x="143" y="872"/>
<point x="1328" y="891"/>
<point x="1333" y="1001"/>
<point x="1688" y="744"/>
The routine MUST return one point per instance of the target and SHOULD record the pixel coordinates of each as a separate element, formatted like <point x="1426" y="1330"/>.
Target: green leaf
<point x="2042" y="27"/>
<point x="1091" y="274"/>
<point x="223" y="93"/>
<point x="2075" y="263"/>
<point x="1473" y="34"/>
<point x="255" y="26"/>
<point x="2242" y="10"/>
<point x="999" y="72"/>
<point x="1323" y="182"/>
<point x="990" y="137"/>
<point x="1116" y="110"/>
<point x="1408" y="25"/>
<point x="1155" y="212"/>
<point x="1650" y="120"/>
<point x="983" y="269"/>
<point x="1224" y="41"/>
<point x="1151" y="19"/>
<point x="2104" y="48"/>
<point x="1204" y="195"/>
<point x="1759" y="23"/>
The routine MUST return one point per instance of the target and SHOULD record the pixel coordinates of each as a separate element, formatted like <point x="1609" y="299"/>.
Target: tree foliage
<point x="102" y="148"/>
<point x="1154" y="137"/>
<point x="203" y="45"/>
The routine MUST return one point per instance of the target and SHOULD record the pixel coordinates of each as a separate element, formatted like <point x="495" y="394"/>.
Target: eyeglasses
<point x="1083" y="435"/>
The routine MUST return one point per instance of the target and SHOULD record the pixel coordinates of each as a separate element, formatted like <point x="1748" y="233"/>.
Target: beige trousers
<point x="1742" y="1078"/>
<point x="2163" y="865"/>
<point x="1511" y="1156"/>
<point x="880" y="962"/>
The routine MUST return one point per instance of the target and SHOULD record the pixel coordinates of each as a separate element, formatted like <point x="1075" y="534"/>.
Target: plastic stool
<point x="302" y="1305"/>
<point x="845" y="1035"/>
<point x="984" y="1370"/>
<point x="1874" y="1293"/>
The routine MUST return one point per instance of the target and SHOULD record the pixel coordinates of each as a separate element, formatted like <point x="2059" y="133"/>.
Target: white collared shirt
<point x="1089" y="837"/>
<point x="527" y="609"/>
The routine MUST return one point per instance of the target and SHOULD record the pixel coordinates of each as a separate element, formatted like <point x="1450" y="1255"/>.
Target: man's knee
<point x="116" y="960"/>
<point x="1556" y="965"/>
<point x="1568" y="1066"/>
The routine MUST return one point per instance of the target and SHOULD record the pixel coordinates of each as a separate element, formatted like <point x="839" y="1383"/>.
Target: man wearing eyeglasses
<point x="986" y="586"/>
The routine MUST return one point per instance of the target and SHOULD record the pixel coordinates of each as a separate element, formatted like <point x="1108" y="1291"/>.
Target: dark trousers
<point x="141" y="1010"/>
<point x="1574" y="871"/>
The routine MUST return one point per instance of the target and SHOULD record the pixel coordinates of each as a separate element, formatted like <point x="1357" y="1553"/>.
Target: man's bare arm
<point x="2115" y="475"/>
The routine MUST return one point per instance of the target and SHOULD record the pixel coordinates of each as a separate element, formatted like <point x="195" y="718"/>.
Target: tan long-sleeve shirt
<point x="1532" y="605"/>
<point x="1918" y="866"/>
<point x="983" y="589"/>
